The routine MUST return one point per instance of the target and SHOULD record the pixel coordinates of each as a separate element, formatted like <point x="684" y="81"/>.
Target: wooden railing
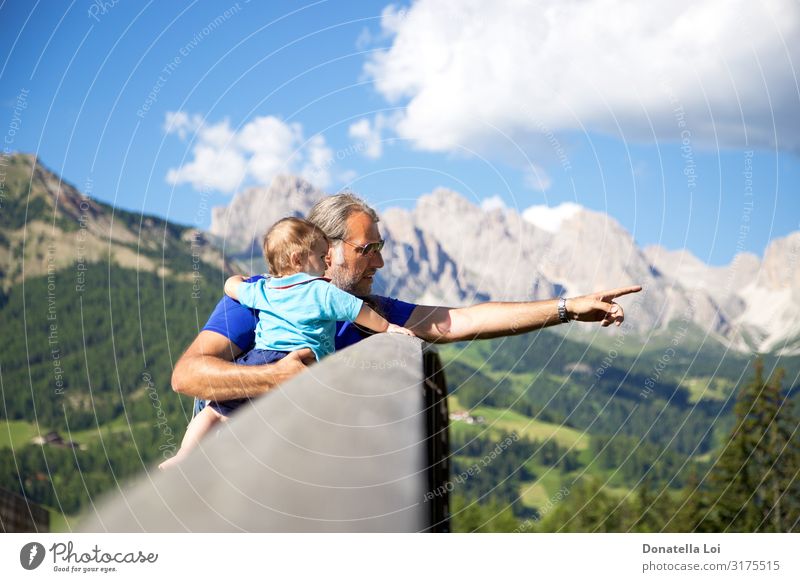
<point x="358" y="443"/>
<point x="19" y="515"/>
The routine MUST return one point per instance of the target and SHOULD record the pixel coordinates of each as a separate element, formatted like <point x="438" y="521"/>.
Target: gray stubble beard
<point x="340" y="275"/>
<point x="344" y="280"/>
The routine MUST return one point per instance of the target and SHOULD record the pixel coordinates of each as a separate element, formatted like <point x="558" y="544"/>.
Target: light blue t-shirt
<point x="298" y="311"/>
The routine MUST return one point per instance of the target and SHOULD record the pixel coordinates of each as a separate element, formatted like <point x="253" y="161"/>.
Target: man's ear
<point x="329" y="257"/>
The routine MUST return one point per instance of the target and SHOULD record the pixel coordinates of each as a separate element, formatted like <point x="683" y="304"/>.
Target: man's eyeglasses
<point x="367" y="249"/>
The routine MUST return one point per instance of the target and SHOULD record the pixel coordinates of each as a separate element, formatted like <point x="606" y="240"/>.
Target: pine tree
<point x="693" y="506"/>
<point x="488" y="516"/>
<point x="589" y="508"/>
<point x="754" y="484"/>
<point x="653" y="507"/>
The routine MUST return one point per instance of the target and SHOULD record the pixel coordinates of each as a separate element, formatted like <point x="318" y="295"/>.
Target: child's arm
<point x="340" y="306"/>
<point x="232" y="285"/>
<point x="368" y="318"/>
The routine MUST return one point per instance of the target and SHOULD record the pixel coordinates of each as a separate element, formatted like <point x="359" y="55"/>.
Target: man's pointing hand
<point x="600" y="306"/>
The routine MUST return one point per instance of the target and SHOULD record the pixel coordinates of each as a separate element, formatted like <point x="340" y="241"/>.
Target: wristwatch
<point x="562" y="310"/>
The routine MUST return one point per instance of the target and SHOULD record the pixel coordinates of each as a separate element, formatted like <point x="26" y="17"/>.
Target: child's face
<point x="316" y="262"/>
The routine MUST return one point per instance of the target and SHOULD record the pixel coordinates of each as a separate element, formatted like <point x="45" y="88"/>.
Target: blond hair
<point x="288" y="236"/>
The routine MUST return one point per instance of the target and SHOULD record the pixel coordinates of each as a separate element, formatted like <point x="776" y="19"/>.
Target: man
<point x="206" y="370"/>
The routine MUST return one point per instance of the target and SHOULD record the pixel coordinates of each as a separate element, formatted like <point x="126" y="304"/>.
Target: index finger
<point x="619" y="292"/>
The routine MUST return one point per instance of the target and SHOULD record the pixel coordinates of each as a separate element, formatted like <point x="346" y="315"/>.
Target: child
<point x="298" y="308"/>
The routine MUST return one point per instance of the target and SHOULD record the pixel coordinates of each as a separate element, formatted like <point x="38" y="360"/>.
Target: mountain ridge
<point x="47" y="224"/>
<point x="448" y="250"/>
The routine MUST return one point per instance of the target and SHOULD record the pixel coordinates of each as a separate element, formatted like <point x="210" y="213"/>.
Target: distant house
<point x="465" y="416"/>
<point x="55" y="440"/>
<point x="578" y="368"/>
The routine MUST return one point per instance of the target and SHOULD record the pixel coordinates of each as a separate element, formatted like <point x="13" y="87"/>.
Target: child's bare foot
<point x="172" y="461"/>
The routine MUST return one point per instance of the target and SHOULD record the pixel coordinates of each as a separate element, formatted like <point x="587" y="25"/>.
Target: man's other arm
<point x="206" y="370"/>
<point x="496" y="319"/>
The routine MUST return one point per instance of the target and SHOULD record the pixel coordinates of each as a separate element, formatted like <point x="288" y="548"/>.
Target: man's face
<point x="350" y="270"/>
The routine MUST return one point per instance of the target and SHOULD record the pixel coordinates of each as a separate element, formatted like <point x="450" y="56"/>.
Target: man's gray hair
<point x="331" y="213"/>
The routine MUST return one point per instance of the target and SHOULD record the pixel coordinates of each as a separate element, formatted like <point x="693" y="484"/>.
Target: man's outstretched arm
<point x="495" y="319"/>
<point x="206" y="370"/>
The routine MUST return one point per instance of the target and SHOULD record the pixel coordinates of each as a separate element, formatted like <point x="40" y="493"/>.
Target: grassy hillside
<point x="95" y="366"/>
<point x="623" y="422"/>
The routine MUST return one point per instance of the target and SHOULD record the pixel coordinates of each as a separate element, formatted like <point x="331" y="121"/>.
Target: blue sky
<point x="394" y="102"/>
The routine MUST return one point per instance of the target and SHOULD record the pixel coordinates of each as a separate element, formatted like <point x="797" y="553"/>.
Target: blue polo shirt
<point x="238" y="323"/>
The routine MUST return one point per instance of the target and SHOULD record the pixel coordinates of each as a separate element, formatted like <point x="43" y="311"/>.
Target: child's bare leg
<point x="199" y="426"/>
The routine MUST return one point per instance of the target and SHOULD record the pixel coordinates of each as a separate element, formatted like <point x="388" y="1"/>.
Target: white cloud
<point x="217" y="135"/>
<point x="493" y="203"/>
<point x="548" y="218"/>
<point x="317" y="169"/>
<point x="391" y="16"/>
<point x="370" y="133"/>
<point x="537" y="179"/>
<point x="217" y="169"/>
<point x="272" y="144"/>
<point x="224" y="159"/>
<point x="469" y="71"/>
<point x="364" y="39"/>
<point x="269" y="135"/>
<point x="363" y="130"/>
<point x="179" y="122"/>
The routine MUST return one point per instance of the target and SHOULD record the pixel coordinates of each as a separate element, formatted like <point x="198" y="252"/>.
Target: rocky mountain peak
<point x="254" y="210"/>
<point x="781" y="266"/>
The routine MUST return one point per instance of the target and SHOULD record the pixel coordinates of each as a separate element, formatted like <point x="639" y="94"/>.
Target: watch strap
<point x="562" y="310"/>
